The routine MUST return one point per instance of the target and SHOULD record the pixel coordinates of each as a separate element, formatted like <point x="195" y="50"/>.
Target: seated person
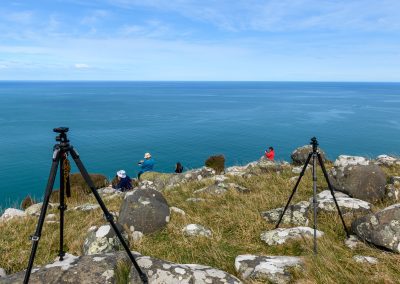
<point x="270" y="154"/>
<point x="124" y="181"/>
<point x="147" y="165"/>
<point x="178" y="168"/>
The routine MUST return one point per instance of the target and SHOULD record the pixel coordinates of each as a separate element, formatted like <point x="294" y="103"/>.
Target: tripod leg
<point x="109" y="217"/>
<point x="35" y="238"/>
<point x="62" y="206"/>
<point x="294" y="190"/>
<point x="321" y="162"/>
<point x="314" y="154"/>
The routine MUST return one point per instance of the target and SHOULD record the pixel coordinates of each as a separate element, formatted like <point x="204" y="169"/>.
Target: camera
<point x="61" y="129"/>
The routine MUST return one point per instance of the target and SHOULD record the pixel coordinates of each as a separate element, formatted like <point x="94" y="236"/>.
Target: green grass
<point x="235" y="221"/>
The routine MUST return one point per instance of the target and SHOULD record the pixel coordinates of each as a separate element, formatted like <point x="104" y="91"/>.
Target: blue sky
<point x="271" y="40"/>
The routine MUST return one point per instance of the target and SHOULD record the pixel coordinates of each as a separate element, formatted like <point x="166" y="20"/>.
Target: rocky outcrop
<point x="381" y="229"/>
<point x="144" y="210"/>
<point x="385" y="160"/>
<point x="365" y="182"/>
<point x="299" y="155"/>
<point x="101" y="240"/>
<point x="274" y="269"/>
<point x="282" y="235"/>
<point x="295" y="214"/>
<point x="103" y="269"/>
<point x="197" y="230"/>
<point x="11" y="213"/>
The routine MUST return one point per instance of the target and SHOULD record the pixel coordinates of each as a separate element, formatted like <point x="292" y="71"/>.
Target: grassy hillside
<point x="235" y="221"/>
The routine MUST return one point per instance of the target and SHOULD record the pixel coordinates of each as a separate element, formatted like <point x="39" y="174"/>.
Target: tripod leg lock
<point x="109" y="217"/>
<point x="34" y="238"/>
<point x="63" y="208"/>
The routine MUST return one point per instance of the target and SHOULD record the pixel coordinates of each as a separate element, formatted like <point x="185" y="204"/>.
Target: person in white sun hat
<point x="146" y="165"/>
<point x="124" y="181"/>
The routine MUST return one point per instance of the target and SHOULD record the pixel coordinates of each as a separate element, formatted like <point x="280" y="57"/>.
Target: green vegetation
<point x="216" y="162"/>
<point x="235" y="221"/>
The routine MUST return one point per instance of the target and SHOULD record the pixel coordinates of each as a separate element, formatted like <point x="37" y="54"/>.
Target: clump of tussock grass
<point x="235" y="221"/>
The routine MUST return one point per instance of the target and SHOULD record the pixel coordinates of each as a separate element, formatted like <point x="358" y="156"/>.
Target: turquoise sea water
<point x="112" y="124"/>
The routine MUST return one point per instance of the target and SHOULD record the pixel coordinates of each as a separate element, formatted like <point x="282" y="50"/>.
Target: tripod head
<point x="314" y="144"/>
<point x="62" y="137"/>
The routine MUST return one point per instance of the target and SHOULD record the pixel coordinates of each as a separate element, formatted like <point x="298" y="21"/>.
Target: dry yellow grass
<point x="235" y="221"/>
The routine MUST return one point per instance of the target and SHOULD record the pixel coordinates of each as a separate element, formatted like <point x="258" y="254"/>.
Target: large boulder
<point x="299" y="155"/>
<point x="381" y="229"/>
<point x="365" y="182"/>
<point x="274" y="269"/>
<point x="144" y="210"/>
<point x="116" y="268"/>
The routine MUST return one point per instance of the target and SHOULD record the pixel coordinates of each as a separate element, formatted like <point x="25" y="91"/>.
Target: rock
<point x="360" y="181"/>
<point x="106" y="190"/>
<point x="197" y="230"/>
<point x="34" y="210"/>
<point x="177" y="210"/>
<point x="221" y="188"/>
<point x="295" y="214"/>
<point x="262" y="166"/>
<point x="220" y="178"/>
<point x="346" y="204"/>
<point x="101" y="240"/>
<point x="98" y="269"/>
<point x="236" y="170"/>
<point x="199" y="174"/>
<point x="299" y="155"/>
<point x="385" y="160"/>
<point x="297" y="170"/>
<point x="393" y="193"/>
<point x="87" y="207"/>
<point x="395" y="180"/>
<point x="163" y="272"/>
<point x="144" y="209"/>
<point x="195" y="200"/>
<point x="274" y="269"/>
<point x="365" y="259"/>
<point x="137" y="236"/>
<point x="51" y="217"/>
<point x="2" y="273"/>
<point x="352" y="242"/>
<point x="11" y="213"/>
<point x="381" y="229"/>
<point x="281" y="235"/>
<point x="147" y="184"/>
<point x="344" y="161"/>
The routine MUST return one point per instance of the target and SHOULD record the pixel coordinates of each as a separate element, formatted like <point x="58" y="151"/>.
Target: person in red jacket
<point x="270" y="154"/>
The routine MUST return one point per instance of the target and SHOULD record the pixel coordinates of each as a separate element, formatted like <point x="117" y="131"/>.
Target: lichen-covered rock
<point x="299" y="155"/>
<point x="163" y="272"/>
<point x="146" y="210"/>
<point x="344" y="161"/>
<point x="381" y="229"/>
<point x="97" y="269"/>
<point x="365" y="182"/>
<point x="101" y="240"/>
<point x="385" y="160"/>
<point x="295" y="214"/>
<point x="197" y="230"/>
<point x="282" y="235"/>
<point x="352" y="242"/>
<point x="11" y="213"/>
<point x="274" y="269"/>
<point x="365" y="259"/>
<point x="87" y="207"/>
<point x="346" y="204"/>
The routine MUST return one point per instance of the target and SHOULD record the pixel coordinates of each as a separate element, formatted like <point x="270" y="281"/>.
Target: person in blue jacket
<point x="124" y="181"/>
<point x="147" y="165"/>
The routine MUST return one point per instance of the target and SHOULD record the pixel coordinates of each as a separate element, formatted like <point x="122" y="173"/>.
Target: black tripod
<point x="315" y="155"/>
<point x="60" y="153"/>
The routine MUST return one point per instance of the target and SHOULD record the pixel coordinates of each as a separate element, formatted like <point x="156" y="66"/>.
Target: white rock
<point x="68" y="261"/>
<point x="11" y="213"/>
<point x="177" y="210"/>
<point x="274" y="269"/>
<point x="365" y="259"/>
<point x="386" y="160"/>
<point x="352" y="242"/>
<point x="197" y="230"/>
<point x="137" y="236"/>
<point x="34" y="209"/>
<point x="343" y="161"/>
<point x="2" y="272"/>
<point x="87" y="207"/>
<point x="326" y="202"/>
<point x="281" y="235"/>
<point x="51" y="217"/>
<point x="103" y="231"/>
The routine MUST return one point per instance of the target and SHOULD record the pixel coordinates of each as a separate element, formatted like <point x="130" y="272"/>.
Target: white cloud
<point x="81" y="66"/>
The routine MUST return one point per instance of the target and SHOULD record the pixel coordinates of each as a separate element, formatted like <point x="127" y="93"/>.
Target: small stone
<point x="281" y="235"/>
<point x="365" y="259"/>
<point x="2" y="272"/>
<point x="51" y="217"/>
<point x="137" y="236"/>
<point x="87" y="207"/>
<point x="197" y="230"/>
<point x="195" y="200"/>
<point x="352" y="242"/>
<point x="177" y="210"/>
<point x="34" y="210"/>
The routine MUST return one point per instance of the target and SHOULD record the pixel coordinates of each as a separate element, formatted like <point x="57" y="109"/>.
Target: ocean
<point x="112" y="124"/>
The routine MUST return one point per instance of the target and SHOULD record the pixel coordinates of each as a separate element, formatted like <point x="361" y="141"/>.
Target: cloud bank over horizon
<point x="271" y="40"/>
